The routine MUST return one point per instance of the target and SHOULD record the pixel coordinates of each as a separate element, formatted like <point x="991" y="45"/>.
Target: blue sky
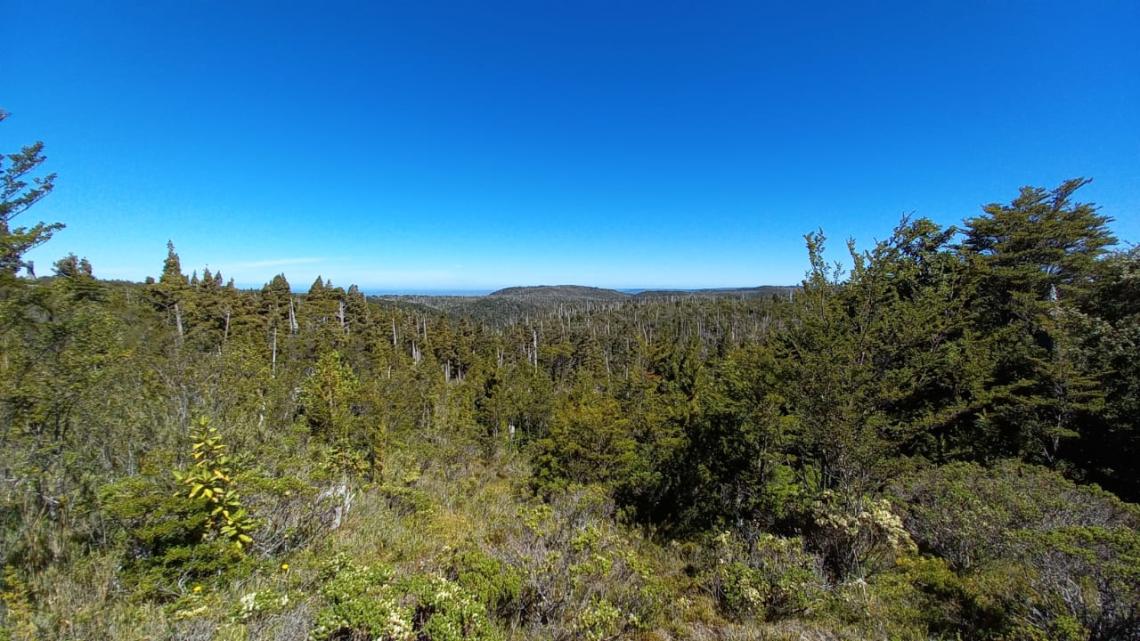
<point x="425" y="145"/>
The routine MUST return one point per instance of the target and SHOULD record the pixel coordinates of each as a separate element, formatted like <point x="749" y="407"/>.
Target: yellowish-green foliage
<point x="18" y="624"/>
<point x="210" y="479"/>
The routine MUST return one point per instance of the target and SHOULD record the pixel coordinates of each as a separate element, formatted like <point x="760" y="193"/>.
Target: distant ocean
<point x="484" y="292"/>
<point x="427" y="292"/>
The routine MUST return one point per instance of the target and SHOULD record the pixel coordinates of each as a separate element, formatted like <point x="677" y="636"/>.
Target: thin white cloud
<point x="403" y="276"/>
<point x="273" y="262"/>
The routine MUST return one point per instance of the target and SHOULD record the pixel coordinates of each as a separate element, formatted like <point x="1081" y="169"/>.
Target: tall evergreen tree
<point x="1035" y="261"/>
<point x="171" y="291"/>
<point x="1041" y="246"/>
<point x="16" y="196"/>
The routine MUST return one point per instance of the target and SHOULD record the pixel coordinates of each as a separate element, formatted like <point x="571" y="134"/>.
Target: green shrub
<point x="260" y="603"/>
<point x="366" y="602"/>
<point x="742" y="591"/>
<point x="573" y="558"/>
<point x="443" y="610"/>
<point x="16" y="623"/>
<point x="166" y="537"/>
<point x="407" y="501"/>
<point x="771" y="579"/>
<point x="921" y="597"/>
<point x="358" y="601"/>
<point x="856" y="535"/>
<point x="210" y="479"/>
<point x="1038" y="556"/>
<point x="967" y="513"/>
<point x="292" y="512"/>
<point x="496" y="584"/>
<point x="599" y="620"/>
<point x="1084" y="583"/>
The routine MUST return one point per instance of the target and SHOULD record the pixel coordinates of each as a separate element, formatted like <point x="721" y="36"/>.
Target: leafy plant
<point x="368" y="602"/>
<point x="210" y="480"/>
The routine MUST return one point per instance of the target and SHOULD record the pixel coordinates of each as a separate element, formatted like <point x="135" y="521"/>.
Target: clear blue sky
<point x="477" y="144"/>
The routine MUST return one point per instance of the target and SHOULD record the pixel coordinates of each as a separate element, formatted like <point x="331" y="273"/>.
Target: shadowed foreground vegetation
<point x="938" y="444"/>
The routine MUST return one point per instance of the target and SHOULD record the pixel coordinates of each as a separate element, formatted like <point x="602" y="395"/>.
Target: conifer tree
<point x="171" y="289"/>
<point x="1040" y="247"/>
<point x="16" y="196"/>
<point x="1034" y="261"/>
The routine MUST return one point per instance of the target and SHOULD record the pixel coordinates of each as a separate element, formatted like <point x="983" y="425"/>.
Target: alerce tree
<point x="19" y="190"/>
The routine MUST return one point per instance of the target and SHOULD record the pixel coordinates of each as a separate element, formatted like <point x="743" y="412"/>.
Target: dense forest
<point x="938" y="442"/>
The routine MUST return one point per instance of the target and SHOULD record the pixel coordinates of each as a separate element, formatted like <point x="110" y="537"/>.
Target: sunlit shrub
<point x="966" y="513"/>
<point x="857" y="536"/>
<point x="166" y="537"/>
<point x="210" y="480"/>
<point x="368" y="602"/>
<point x="260" y="603"/>
<point x="1084" y="582"/>
<point x="496" y="584"/>
<point x="921" y="597"/>
<point x="769" y="578"/>
<point x="573" y="559"/>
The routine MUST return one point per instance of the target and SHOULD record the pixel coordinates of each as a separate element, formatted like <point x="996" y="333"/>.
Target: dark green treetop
<point x="17" y="194"/>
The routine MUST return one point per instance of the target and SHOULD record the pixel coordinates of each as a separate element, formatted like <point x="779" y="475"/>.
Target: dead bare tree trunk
<point x="178" y="320"/>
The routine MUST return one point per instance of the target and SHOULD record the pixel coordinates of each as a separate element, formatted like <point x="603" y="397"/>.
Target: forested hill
<point x="559" y="292"/>
<point x="763" y="291"/>
<point x="940" y="444"/>
<point x="582" y="293"/>
<point x="519" y="304"/>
